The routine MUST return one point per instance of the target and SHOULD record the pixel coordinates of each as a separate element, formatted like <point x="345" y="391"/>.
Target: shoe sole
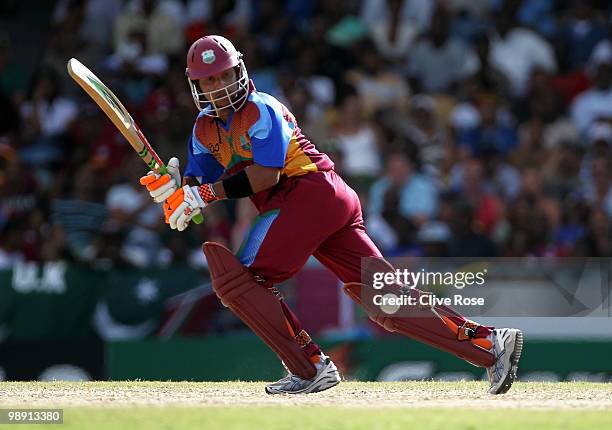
<point x="325" y="383"/>
<point x="514" y="360"/>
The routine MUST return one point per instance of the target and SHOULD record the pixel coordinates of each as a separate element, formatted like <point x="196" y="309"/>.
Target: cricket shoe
<point x="327" y="376"/>
<point x="507" y="347"/>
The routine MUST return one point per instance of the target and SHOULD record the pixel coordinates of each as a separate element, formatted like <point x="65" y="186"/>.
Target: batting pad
<point x="256" y="306"/>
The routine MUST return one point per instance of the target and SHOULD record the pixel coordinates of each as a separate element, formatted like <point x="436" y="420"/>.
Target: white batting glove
<point x="161" y="187"/>
<point x="182" y="206"/>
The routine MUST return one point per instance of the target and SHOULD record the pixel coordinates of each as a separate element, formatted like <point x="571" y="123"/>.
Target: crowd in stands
<point x="468" y="127"/>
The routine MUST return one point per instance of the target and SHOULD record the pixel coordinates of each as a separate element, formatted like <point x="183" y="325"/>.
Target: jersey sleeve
<point x="270" y="135"/>
<point x="201" y="164"/>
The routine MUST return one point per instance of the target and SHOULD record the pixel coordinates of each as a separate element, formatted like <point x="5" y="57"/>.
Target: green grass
<point x="333" y="418"/>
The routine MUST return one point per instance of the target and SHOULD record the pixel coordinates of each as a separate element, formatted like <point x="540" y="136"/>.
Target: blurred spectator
<point x="133" y="57"/>
<point x="425" y="130"/>
<point x="433" y="237"/>
<point x="93" y="25"/>
<point x="530" y="150"/>
<point x="80" y="211"/>
<point x="476" y="8"/>
<point x="571" y="231"/>
<point x="467" y="240"/>
<point x="539" y="15"/>
<point x="47" y="117"/>
<point x="494" y="131"/>
<point x="438" y="61"/>
<point x="156" y="21"/>
<point x="105" y="250"/>
<point x="18" y="188"/>
<point x="131" y="210"/>
<point x="320" y="86"/>
<point x="54" y="246"/>
<point x="597" y="241"/>
<point x="547" y="120"/>
<point x="359" y="143"/>
<point x="64" y="40"/>
<point x="579" y="35"/>
<point x="216" y="17"/>
<point x="598" y="191"/>
<point x="168" y="111"/>
<point x="546" y="216"/>
<point x="532" y="185"/>
<point x="11" y="234"/>
<point x="46" y="112"/>
<point x="469" y="17"/>
<point x="562" y="170"/>
<point x="528" y="228"/>
<point x="335" y="33"/>
<point x="378" y="86"/>
<point x="347" y="32"/>
<point x="394" y="25"/>
<point x="517" y="52"/>
<point x="272" y="28"/>
<point x="400" y="202"/>
<point x="485" y="204"/>
<point x="500" y="177"/>
<point x="263" y="74"/>
<point x="310" y="115"/>
<point x="599" y="137"/>
<point x="596" y="103"/>
<point x="488" y="77"/>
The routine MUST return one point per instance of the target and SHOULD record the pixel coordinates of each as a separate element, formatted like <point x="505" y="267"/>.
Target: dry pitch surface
<point x="428" y="394"/>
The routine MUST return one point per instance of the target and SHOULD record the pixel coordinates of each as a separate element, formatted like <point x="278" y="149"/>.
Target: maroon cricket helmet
<point x="210" y="55"/>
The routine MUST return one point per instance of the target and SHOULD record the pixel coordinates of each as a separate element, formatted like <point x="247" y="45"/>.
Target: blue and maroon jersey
<point x="262" y="132"/>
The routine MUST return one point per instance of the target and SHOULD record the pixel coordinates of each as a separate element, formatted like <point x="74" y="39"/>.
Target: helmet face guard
<point x="236" y="94"/>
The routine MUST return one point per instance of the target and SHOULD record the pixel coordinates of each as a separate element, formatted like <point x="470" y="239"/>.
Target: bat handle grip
<point x="198" y="219"/>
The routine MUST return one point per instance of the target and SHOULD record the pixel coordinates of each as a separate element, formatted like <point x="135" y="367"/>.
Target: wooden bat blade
<point x="104" y="97"/>
<point x="118" y="114"/>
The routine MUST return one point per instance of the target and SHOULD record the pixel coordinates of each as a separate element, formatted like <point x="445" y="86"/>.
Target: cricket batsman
<point x="245" y="143"/>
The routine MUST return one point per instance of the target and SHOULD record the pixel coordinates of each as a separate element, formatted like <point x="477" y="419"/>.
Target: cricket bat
<point x="115" y="111"/>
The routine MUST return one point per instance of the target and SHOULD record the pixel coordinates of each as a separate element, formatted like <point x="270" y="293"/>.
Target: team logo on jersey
<point x="208" y="56"/>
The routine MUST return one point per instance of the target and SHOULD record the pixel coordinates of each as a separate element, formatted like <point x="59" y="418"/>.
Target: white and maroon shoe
<point x="327" y="376"/>
<point x="507" y="347"/>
